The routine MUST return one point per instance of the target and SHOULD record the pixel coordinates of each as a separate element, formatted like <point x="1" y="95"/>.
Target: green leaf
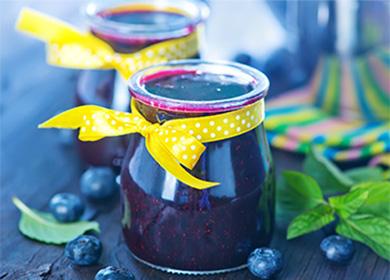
<point x="299" y="192"/>
<point x="311" y="220"/>
<point x="368" y="229"/>
<point x="364" y="174"/>
<point x="327" y="175"/>
<point x="348" y="204"/>
<point x="43" y="227"/>
<point x="378" y="200"/>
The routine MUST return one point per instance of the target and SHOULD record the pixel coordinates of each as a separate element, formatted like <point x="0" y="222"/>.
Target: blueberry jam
<point x="104" y="87"/>
<point x="137" y="17"/>
<point x="197" y="86"/>
<point x="147" y="17"/>
<point x="172" y="226"/>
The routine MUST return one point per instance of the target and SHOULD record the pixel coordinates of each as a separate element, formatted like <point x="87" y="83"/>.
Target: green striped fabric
<point x="344" y="111"/>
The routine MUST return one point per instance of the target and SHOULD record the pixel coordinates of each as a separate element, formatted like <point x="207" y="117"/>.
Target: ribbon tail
<point x="71" y="119"/>
<point x="94" y="122"/>
<point x="44" y="27"/>
<point x="167" y="161"/>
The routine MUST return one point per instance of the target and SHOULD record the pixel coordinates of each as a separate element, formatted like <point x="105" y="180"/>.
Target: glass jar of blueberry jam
<point x="171" y="226"/>
<point x="128" y="28"/>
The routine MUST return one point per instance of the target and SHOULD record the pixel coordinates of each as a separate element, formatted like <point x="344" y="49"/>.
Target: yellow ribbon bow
<point x="68" y="47"/>
<point x="172" y="143"/>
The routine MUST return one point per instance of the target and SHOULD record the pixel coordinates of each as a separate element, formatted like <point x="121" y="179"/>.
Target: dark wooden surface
<point x="35" y="165"/>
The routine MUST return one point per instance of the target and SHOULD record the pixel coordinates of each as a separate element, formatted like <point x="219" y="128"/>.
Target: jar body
<point x="178" y="228"/>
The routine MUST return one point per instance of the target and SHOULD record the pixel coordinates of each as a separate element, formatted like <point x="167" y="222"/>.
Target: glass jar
<point x="171" y="226"/>
<point x="128" y="28"/>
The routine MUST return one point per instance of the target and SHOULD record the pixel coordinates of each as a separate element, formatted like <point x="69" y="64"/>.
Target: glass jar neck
<point x="138" y="24"/>
<point x="195" y="87"/>
<point x="157" y="115"/>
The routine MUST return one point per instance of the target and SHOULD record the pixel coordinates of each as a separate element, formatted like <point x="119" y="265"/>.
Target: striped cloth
<point x="344" y="111"/>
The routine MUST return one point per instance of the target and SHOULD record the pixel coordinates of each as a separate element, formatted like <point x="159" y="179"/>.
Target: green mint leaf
<point x="378" y="200"/>
<point x="299" y="192"/>
<point x="311" y="220"/>
<point x="43" y="227"/>
<point x="368" y="229"/>
<point x="348" y="204"/>
<point x="364" y="174"/>
<point x="327" y="175"/>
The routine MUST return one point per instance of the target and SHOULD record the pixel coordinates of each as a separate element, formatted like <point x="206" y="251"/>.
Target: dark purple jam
<point x="194" y="86"/>
<point x="171" y="225"/>
<point x="135" y="17"/>
<point x="99" y="86"/>
<point x="148" y="18"/>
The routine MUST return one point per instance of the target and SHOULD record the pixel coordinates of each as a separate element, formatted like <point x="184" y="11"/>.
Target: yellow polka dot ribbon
<point x="68" y="47"/>
<point x="172" y="144"/>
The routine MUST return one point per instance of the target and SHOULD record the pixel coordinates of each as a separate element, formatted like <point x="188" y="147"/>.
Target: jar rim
<point x="256" y="78"/>
<point x="195" y="10"/>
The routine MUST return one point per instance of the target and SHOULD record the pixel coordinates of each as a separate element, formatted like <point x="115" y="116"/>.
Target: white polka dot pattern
<point x="182" y="138"/>
<point x="68" y="47"/>
<point x="92" y="53"/>
<point x="222" y="126"/>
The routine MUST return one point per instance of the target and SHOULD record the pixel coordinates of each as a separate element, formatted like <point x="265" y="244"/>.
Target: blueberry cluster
<point x="97" y="183"/>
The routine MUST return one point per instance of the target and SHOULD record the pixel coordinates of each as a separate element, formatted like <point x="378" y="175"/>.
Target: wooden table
<point x="35" y="165"/>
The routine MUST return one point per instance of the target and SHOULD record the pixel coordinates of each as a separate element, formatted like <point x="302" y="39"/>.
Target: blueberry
<point x="66" y="207"/>
<point x="265" y="262"/>
<point x="98" y="183"/>
<point x="337" y="249"/>
<point x="114" y="273"/>
<point x="84" y="250"/>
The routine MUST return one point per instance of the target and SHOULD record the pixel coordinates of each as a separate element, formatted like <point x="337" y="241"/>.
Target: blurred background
<point x="274" y="35"/>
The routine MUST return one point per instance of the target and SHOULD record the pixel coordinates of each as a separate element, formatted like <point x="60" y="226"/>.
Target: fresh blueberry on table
<point x="98" y="183"/>
<point x="265" y="262"/>
<point x="114" y="273"/>
<point x="84" y="250"/>
<point x="337" y="249"/>
<point x="66" y="207"/>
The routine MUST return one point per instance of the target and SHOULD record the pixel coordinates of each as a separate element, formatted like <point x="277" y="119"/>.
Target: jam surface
<point x="171" y="225"/>
<point x="197" y="86"/>
<point x="145" y="17"/>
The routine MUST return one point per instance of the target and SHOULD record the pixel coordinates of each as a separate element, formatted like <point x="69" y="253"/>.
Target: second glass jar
<point x="128" y="28"/>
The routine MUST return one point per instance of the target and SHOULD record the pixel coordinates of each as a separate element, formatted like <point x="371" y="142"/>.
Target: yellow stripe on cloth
<point x="173" y="143"/>
<point x="68" y="47"/>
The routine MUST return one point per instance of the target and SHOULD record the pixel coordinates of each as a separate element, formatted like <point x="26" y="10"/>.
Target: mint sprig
<point x="364" y="213"/>
<point x="298" y="192"/>
<point x="374" y="231"/>
<point x="311" y="220"/>
<point x="330" y="178"/>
